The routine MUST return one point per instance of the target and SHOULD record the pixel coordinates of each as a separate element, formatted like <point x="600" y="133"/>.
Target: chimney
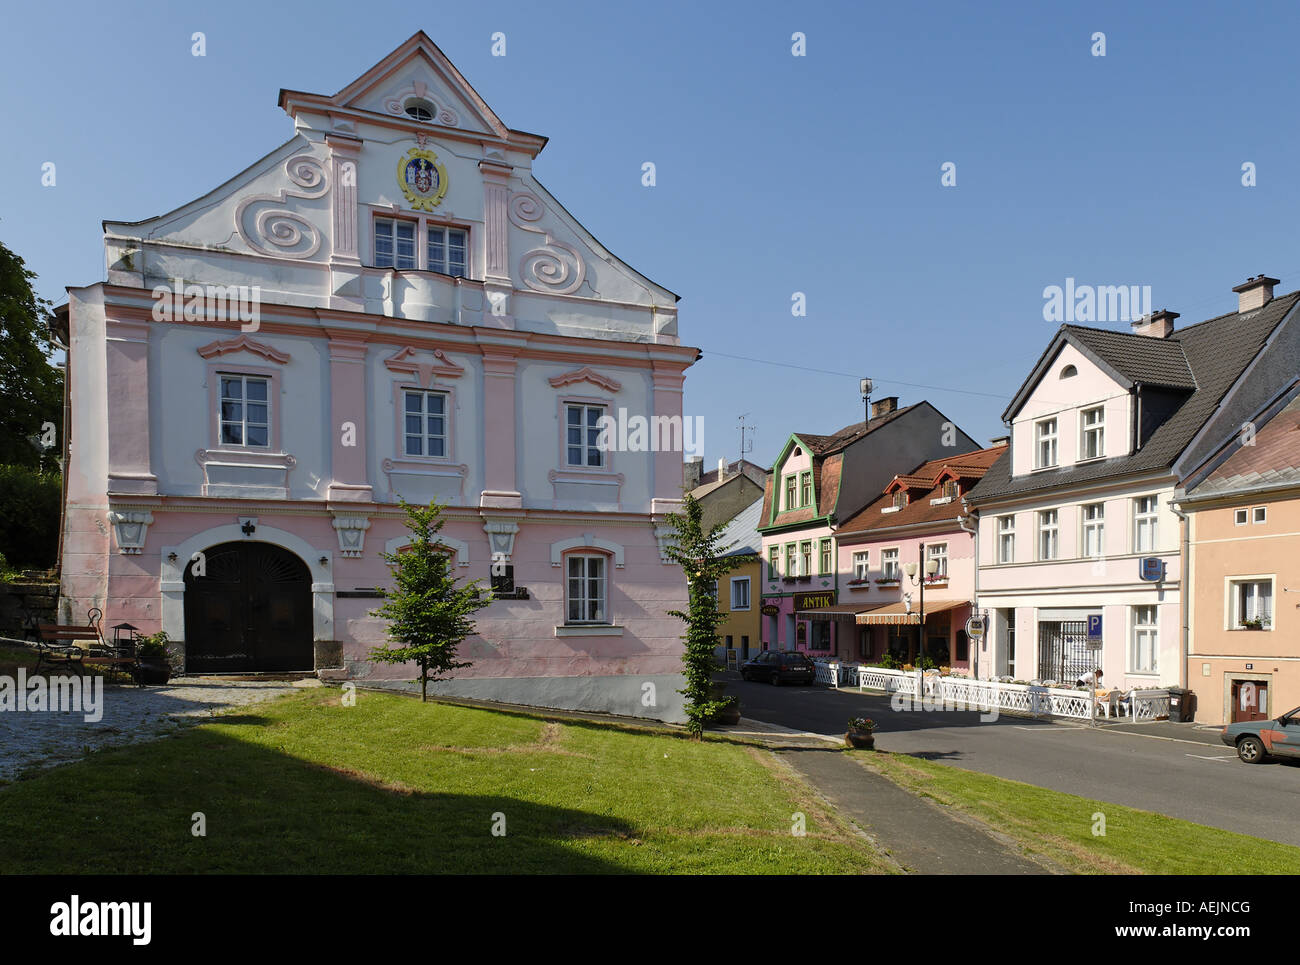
<point x="691" y="473"/>
<point x="884" y="406"/>
<point x="1156" y="325"/>
<point x="997" y="441"/>
<point x="1255" y="292"/>
<point x="722" y="468"/>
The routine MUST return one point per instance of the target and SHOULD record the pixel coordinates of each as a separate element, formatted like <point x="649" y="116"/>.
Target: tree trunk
<point x="424" y="682"/>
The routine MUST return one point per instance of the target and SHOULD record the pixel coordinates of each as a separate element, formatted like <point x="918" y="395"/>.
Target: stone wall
<point x="32" y="596"/>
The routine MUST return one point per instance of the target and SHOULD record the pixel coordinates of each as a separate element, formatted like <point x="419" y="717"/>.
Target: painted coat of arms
<point x="422" y="179"/>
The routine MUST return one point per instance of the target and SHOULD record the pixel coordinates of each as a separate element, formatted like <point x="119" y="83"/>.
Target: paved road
<point x="1172" y="769"/>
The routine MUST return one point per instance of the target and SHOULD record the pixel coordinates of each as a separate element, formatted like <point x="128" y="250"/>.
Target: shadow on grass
<point x="133" y="810"/>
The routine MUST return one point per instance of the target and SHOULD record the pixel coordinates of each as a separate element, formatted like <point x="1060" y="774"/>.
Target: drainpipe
<point x="1184" y="588"/>
<point x="975" y="602"/>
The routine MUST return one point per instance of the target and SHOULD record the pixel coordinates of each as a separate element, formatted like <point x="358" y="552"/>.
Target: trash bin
<point x="1181" y="705"/>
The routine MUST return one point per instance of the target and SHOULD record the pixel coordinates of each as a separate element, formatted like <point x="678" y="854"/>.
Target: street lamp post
<point x="918" y="572"/>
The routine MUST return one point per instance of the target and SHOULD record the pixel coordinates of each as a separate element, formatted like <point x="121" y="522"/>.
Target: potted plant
<point x="861" y="733"/>
<point x="153" y="662"/>
<point x="730" y="712"/>
<point x="1255" y="624"/>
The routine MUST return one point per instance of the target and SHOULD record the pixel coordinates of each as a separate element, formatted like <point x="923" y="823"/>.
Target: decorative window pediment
<point x="243" y="344"/>
<point x="585" y="374"/>
<point x="406" y="362"/>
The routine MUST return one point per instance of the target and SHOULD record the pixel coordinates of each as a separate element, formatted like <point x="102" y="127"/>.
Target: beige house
<point x="1243" y="615"/>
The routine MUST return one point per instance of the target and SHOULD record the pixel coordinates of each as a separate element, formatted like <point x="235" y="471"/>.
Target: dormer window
<point x="900" y="499"/>
<point x="1045" y="444"/>
<point x="950" y="488"/>
<point x="420" y="109"/>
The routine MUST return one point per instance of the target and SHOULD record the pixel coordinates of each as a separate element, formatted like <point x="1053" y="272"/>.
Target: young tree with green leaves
<point x="31" y="387"/>
<point x="430" y="616"/>
<point x="699" y="555"/>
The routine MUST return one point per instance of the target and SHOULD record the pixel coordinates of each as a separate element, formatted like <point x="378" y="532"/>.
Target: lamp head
<point x="909" y="569"/>
<point x="931" y="567"/>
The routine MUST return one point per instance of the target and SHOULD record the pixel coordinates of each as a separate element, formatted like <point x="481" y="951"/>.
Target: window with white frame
<point x="1145" y="522"/>
<point x="791" y="559"/>
<point x="773" y="562"/>
<point x="1259" y="514"/>
<point x="805" y="489"/>
<point x="395" y="244"/>
<point x="861" y="564"/>
<point x="1045" y="444"/>
<point x="445" y="250"/>
<point x="245" y="411"/>
<point x="1049" y="543"/>
<point x="1092" y="433"/>
<point x="1252" y="603"/>
<point x="1240" y="517"/>
<point x="790" y="485"/>
<point x="939" y="553"/>
<point x="1006" y="539"/>
<point x="1144" y="650"/>
<point x="424" y="423"/>
<point x="582" y="435"/>
<point x="951" y="489"/>
<point x="889" y="564"/>
<point x="805" y="558"/>
<point x="586" y="591"/>
<point x="740" y="593"/>
<point x="1094" y="529"/>
<point x="824" y="562"/>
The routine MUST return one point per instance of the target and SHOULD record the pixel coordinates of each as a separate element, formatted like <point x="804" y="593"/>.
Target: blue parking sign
<point x="1094" y="629"/>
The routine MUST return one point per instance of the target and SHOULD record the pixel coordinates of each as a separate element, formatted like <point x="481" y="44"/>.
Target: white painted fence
<point x="1029" y="699"/>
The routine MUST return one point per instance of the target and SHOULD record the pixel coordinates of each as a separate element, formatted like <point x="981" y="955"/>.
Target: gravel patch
<point x="131" y="715"/>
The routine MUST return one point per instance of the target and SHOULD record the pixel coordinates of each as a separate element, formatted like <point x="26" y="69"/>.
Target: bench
<point x="53" y="649"/>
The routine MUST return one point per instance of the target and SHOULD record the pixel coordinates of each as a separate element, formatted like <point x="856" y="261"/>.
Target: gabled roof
<point x="743" y="531"/>
<point x="929" y="478"/>
<point x="1216" y="352"/>
<point x="754" y="472"/>
<point x="1271" y="462"/>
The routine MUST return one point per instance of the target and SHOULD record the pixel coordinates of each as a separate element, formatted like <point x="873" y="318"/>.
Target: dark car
<point x="1258" y="739"/>
<point x="778" y="667"/>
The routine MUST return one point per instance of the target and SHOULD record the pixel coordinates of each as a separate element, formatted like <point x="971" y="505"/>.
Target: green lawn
<point x="1060" y="826"/>
<point x="303" y="784"/>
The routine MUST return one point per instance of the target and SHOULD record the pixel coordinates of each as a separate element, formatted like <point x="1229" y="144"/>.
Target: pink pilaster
<point x="127" y="362"/>
<point x="497" y="287"/>
<point x="500" y="490"/>
<point x="348" y="417"/>
<point x="668" y="380"/>
<point x="345" y="259"/>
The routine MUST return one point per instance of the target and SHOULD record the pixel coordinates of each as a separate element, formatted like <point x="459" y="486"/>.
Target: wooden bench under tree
<point x="59" y="644"/>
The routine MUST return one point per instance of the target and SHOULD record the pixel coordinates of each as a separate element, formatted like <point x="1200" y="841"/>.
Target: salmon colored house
<point x="387" y="305"/>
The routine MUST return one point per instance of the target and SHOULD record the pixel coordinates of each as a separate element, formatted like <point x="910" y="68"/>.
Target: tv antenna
<point x="746" y="444"/>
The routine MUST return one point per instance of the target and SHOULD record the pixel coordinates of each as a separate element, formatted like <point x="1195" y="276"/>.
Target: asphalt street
<point x="1174" y="769"/>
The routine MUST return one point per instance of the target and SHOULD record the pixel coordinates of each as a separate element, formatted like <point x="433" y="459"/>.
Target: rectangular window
<point x="1240" y="517"/>
<point x="1045" y="444"/>
<point x="582" y="428"/>
<point x="1094" y="524"/>
<point x="245" y="413"/>
<point x="1144" y="524"/>
<point x="586" y="589"/>
<point x="825" y="561"/>
<point x="394" y="244"/>
<point x="861" y="565"/>
<point x="773" y="562"/>
<point x="425" y="423"/>
<point x="791" y="560"/>
<point x="1259" y="514"/>
<point x="446" y="249"/>
<point x="889" y="564"/>
<point x="805" y="558"/>
<point x="1006" y="539"/>
<point x="821" y="635"/>
<point x="950" y="489"/>
<point x="1252" y="604"/>
<point x="939" y="553"/>
<point x="1049" y="543"/>
<point x="1092" y="433"/>
<point x="1145" y="647"/>
<point x="805" y="489"/>
<point x="740" y="593"/>
<point x="789" y="492"/>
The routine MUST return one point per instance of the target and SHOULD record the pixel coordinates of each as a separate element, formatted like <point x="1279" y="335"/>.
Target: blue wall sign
<point x="1151" y="569"/>
<point x="1094" y="630"/>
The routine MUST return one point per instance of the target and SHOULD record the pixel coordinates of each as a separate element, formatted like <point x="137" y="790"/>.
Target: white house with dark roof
<point x="1101" y="432"/>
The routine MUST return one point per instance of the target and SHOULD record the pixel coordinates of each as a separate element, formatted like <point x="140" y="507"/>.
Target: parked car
<point x="1258" y="739"/>
<point x="778" y="667"/>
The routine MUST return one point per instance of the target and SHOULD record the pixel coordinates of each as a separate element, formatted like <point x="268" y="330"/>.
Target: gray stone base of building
<point x="653" y="697"/>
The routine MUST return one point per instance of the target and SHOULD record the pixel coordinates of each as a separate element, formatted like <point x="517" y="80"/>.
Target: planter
<point x="729" y="715"/>
<point x="153" y="672"/>
<point x="860" y="741"/>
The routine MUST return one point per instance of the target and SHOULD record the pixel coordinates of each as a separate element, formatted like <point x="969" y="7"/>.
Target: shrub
<point x="29" y="516"/>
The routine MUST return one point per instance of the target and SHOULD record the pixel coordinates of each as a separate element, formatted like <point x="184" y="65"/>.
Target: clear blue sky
<point x="776" y="174"/>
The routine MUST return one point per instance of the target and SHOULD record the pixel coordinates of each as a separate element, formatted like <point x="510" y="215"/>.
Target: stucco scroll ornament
<point x="130" y="529"/>
<point x="555" y="267"/>
<point x="278" y="231"/>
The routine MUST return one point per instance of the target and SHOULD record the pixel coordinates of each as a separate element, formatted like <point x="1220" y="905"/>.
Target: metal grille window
<point x="1049" y="543"/>
<point x="939" y="553"/>
<point x="1045" y="449"/>
<point x="425" y="428"/>
<point x="245" y="411"/>
<point x="394" y="244"/>
<point x="1063" y="653"/>
<point x="1146" y="640"/>
<point x="1145" y="522"/>
<point x="825" y="560"/>
<point x="889" y="564"/>
<point x="445" y="250"/>
<point x="1093" y="433"/>
<point x="861" y="565"/>
<point x="1006" y="539"/>
<point x="1094" y="516"/>
<point x="586" y="589"/>
<point x="582" y="435"/>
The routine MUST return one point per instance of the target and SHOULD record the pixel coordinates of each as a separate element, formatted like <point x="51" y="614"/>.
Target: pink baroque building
<point x="389" y="305"/>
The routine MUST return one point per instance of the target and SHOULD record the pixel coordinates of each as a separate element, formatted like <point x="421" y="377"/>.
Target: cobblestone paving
<point x="32" y="740"/>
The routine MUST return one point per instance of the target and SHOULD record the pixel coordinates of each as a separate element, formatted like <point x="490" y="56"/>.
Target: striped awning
<point x="896" y="613"/>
